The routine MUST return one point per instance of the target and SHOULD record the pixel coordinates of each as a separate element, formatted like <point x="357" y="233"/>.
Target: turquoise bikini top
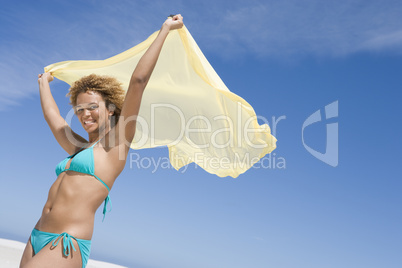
<point x="83" y="162"/>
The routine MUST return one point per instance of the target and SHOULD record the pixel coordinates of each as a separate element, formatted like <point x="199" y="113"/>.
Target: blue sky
<point x="288" y="59"/>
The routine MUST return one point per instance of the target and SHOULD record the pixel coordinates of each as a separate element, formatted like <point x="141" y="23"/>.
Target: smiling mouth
<point x="89" y="122"/>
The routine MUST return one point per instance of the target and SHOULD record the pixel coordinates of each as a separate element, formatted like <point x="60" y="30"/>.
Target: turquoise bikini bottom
<point x="40" y="239"/>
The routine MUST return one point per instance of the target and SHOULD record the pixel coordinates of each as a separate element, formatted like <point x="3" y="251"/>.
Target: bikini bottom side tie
<point x="67" y="243"/>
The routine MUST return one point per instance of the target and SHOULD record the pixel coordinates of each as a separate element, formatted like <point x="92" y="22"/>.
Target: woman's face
<point x="92" y="112"/>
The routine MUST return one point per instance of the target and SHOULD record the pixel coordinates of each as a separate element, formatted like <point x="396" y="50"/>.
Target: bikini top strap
<point x="95" y="143"/>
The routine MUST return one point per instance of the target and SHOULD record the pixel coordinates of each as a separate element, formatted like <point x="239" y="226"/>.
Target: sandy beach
<point x="11" y="252"/>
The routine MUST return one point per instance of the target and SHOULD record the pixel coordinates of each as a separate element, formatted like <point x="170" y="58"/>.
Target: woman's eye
<point x="78" y="110"/>
<point x="93" y="107"/>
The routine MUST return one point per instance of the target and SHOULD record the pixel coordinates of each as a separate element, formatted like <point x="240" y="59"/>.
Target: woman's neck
<point x="95" y="136"/>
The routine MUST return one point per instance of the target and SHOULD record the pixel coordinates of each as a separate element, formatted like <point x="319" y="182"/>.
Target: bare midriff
<point x="72" y="202"/>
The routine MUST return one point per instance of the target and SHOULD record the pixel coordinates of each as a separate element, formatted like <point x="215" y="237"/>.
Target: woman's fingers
<point x="177" y="17"/>
<point x="49" y="77"/>
<point x="175" y="21"/>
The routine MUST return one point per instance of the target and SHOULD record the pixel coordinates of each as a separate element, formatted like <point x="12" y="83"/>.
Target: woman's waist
<point x="76" y="221"/>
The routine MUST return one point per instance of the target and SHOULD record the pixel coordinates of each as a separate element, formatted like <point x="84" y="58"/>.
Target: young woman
<point x="62" y="236"/>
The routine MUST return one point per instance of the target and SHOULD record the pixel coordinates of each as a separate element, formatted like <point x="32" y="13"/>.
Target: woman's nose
<point x="87" y="111"/>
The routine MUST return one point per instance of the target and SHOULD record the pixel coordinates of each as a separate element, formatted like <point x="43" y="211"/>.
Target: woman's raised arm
<point x="140" y="78"/>
<point x="56" y="122"/>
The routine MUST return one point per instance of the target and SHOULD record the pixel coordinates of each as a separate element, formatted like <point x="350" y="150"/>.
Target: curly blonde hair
<point x="108" y="87"/>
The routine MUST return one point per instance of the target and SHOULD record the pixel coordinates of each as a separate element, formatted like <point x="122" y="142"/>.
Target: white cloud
<point x="391" y="40"/>
<point x="295" y="28"/>
<point x="258" y="238"/>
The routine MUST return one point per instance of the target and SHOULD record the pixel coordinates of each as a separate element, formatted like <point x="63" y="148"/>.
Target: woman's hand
<point x="45" y="76"/>
<point x="175" y="22"/>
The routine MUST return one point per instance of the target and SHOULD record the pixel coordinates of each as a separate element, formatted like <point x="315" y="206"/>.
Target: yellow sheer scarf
<point x="185" y="107"/>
